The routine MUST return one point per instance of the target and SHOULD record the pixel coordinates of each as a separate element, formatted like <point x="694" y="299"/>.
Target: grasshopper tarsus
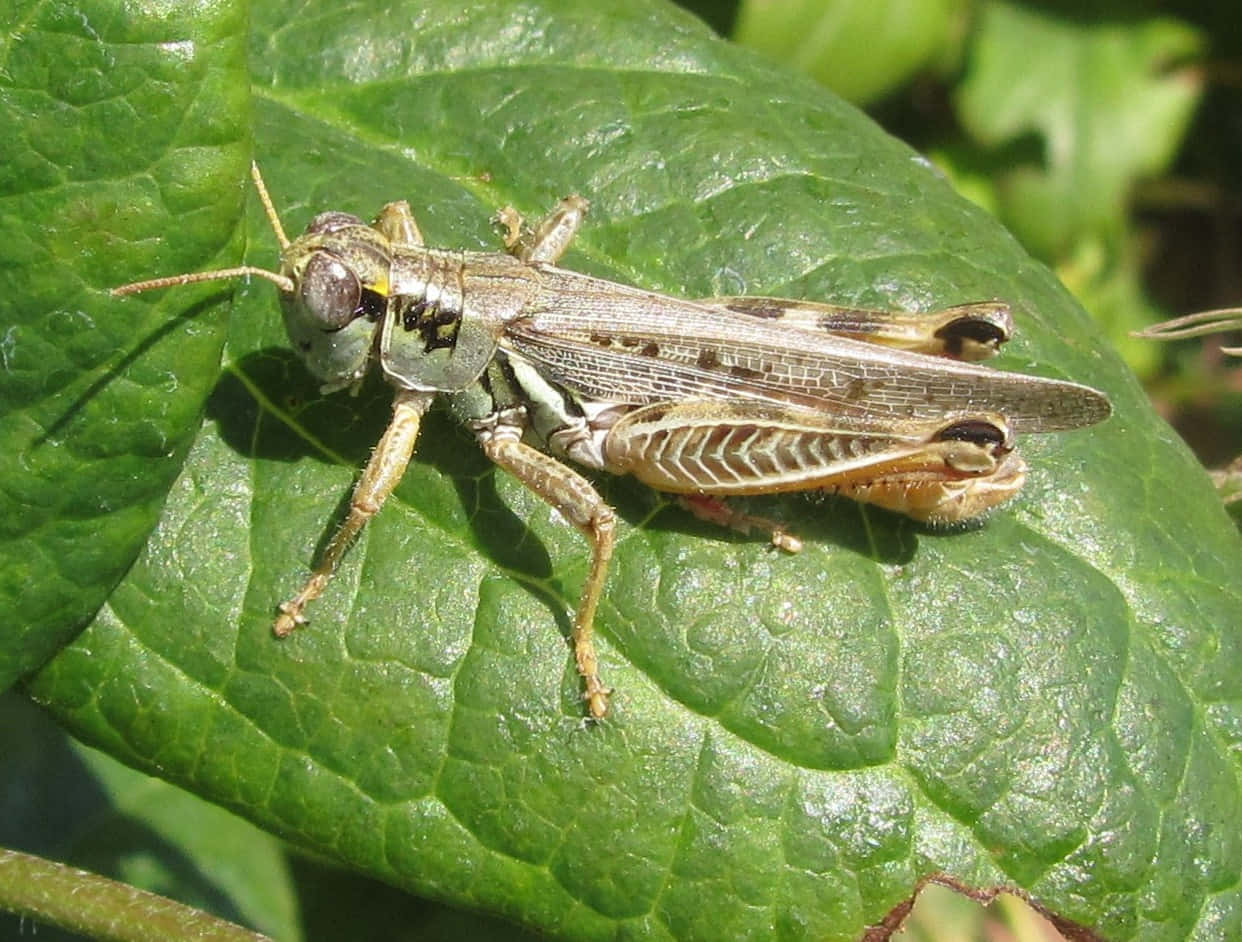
<point x="510" y="220"/>
<point x="598" y="701"/>
<point x="786" y="542"/>
<point x="290" y="618"/>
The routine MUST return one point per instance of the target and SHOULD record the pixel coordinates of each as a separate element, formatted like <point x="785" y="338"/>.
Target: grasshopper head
<point x="333" y="283"/>
<point x="339" y="271"/>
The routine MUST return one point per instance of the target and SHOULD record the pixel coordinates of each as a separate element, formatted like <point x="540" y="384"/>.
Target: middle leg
<point x="549" y="240"/>
<point x="571" y="495"/>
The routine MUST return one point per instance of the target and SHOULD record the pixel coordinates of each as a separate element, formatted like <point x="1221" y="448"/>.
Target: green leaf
<point x="122" y="136"/>
<point x="1047" y="701"/>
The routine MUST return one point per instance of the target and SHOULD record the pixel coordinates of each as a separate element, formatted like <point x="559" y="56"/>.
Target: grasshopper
<point x="703" y="399"/>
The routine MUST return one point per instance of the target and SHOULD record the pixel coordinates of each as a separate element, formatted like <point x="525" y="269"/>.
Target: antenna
<point x="283" y="282"/>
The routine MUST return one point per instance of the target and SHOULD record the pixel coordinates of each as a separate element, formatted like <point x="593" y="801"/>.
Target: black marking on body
<point x="412" y="313"/>
<point x="975" y="431"/>
<point x="983" y="332"/>
<point x="371" y="305"/>
<point x="636" y="344"/>
<point x="438" y="326"/>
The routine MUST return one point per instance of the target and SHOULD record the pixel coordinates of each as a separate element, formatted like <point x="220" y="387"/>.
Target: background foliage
<point x="1048" y="701"/>
<point x="1103" y="134"/>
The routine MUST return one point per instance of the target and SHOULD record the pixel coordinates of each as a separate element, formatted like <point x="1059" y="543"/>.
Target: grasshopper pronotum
<point x="705" y="399"/>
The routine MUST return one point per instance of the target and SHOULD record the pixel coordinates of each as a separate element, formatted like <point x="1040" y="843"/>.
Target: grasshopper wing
<point x="614" y="343"/>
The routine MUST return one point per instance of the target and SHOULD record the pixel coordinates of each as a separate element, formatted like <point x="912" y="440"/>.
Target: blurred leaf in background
<point x="860" y="49"/>
<point x="1108" y="104"/>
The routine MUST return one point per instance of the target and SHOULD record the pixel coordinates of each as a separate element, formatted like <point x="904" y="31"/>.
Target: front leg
<point x="383" y="472"/>
<point x="577" y="501"/>
<point x="396" y="222"/>
<point x="549" y="240"/>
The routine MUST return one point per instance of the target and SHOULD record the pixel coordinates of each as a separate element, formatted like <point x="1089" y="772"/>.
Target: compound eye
<point x="330" y="292"/>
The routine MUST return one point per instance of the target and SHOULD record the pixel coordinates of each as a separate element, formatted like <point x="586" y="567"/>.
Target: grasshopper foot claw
<point x="289" y="620"/>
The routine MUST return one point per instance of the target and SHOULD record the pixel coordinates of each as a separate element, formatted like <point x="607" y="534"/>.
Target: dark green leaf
<point x="122" y="138"/>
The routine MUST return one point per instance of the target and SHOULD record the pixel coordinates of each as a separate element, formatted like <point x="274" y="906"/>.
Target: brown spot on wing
<point x="855" y="390"/>
<point x="766" y="308"/>
<point x="745" y="372"/>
